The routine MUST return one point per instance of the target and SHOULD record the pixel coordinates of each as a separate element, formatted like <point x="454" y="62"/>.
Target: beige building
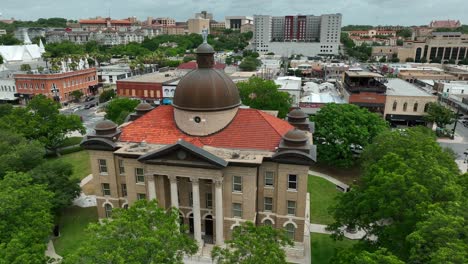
<point x="196" y="25"/>
<point x="219" y="164"/>
<point x="440" y="47"/>
<point x="413" y="75"/>
<point x="405" y="103"/>
<point x="379" y="52"/>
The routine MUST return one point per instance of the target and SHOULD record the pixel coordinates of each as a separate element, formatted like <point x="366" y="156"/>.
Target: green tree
<point x="249" y="64"/>
<point x="107" y="95"/>
<point x="383" y="59"/>
<point x="404" y="174"/>
<point x="77" y="94"/>
<point x="253" y="244"/>
<point x="1" y="59"/>
<point x="119" y="108"/>
<point x="263" y="94"/>
<point x="353" y="256"/>
<point x="9" y="39"/>
<point x="25" y="220"/>
<point x="395" y="58"/>
<point x="440" y="115"/>
<point x="342" y="130"/>
<point x="56" y="175"/>
<point x="409" y="59"/>
<point x="144" y="233"/>
<point x="25" y="67"/>
<point x="404" y="33"/>
<point x="42" y="121"/>
<point x="18" y="154"/>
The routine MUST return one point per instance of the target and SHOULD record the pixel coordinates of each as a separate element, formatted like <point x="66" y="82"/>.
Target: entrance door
<point x="191" y="224"/>
<point x="209" y="225"/>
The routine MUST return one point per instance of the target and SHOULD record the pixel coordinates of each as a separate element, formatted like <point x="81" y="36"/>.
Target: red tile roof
<point x="445" y="23"/>
<point x="250" y="129"/>
<point x="103" y="21"/>
<point x="192" y="65"/>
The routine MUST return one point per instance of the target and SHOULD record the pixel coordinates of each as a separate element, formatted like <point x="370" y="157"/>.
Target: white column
<point x="219" y="212"/>
<point x="174" y="193"/>
<point x="151" y="187"/>
<point x="196" y="211"/>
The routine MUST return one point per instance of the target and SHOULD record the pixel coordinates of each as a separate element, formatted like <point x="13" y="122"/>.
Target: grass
<point x="71" y="141"/>
<point x="323" y="247"/>
<point x="80" y="162"/>
<point x="73" y="223"/>
<point x="322" y="195"/>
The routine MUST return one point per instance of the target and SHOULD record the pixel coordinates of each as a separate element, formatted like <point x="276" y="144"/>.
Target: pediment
<point x="185" y="154"/>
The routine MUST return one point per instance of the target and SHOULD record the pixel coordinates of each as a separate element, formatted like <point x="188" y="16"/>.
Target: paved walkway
<point x="321" y="229"/>
<point x="50" y="252"/>
<point x="329" y="178"/>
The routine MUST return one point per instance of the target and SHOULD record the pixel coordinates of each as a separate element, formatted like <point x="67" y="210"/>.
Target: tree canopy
<point x="143" y="233"/>
<point x="342" y="130"/>
<point x="119" y="108"/>
<point x="409" y="199"/>
<point x="42" y="121"/>
<point x="253" y="244"/>
<point x="263" y="94"/>
<point x="25" y="219"/>
<point x="440" y="115"/>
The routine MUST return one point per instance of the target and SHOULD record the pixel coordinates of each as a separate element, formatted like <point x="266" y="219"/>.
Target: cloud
<point x="374" y="12"/>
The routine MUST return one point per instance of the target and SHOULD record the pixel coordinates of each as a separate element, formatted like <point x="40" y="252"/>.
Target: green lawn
<point x="323" y="247"/>
<point x="73" y="222"/>
<point x="80" y="162"/>
<point x="71" y="141"/>
<point x="322" y="195"/>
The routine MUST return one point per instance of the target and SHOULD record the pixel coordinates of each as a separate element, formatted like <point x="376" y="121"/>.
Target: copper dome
<point x="105" y="125"/>
<point x="206" y="89"/>
<point x="295" y="136"/>
<point x="143" y="107"/>
<point x="297" y="113"/>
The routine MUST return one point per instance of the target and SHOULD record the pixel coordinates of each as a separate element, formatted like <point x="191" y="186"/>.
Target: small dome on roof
<point x="205" y="48"/>
<point x="105" y="125"/>
<point x="143" y="107"/>
<point x="295" y="136"/>
<point x="297" y="113"/>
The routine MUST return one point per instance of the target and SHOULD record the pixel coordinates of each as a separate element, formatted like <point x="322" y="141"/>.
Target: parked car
<point x="89" y="99"/>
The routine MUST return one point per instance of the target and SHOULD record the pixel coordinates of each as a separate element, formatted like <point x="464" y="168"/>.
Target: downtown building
<point x="219" y="164"/>
<point x="308" y="35"/>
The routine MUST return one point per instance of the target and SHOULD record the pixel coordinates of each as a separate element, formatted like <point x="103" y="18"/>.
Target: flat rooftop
<point x="363" y="74"/>
<point x="155" y="77"/>
<point x="398" y="87"/>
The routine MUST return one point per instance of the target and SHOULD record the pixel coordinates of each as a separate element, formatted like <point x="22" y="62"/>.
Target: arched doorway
<point x="190" y="217"/>
<point x="209" y="229"/>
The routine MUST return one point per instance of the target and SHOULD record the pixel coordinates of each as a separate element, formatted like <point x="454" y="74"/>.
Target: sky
<point x="373" y="12"/>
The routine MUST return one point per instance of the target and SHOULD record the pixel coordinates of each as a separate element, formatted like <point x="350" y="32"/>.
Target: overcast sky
<point x="375" y="12"/>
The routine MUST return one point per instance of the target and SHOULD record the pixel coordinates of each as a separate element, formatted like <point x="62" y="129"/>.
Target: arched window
<point x="108" y="209"/>
<point x="415" y="107"/>
<point x="290" y="231"/>
<point x="394" y="106"/>
<point x="268" y="222"/>
<point x="425" y="107"/>
<point x="405" y="106"/>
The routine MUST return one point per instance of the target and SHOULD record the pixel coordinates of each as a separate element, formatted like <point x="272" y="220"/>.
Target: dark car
<point x="89" y="99"/>
<point x="88" y="106"/>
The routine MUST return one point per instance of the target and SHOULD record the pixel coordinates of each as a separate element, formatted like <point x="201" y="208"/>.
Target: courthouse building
<point x="219" y="164"/>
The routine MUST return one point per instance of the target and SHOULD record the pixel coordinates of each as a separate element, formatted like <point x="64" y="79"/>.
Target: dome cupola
<point x="205" y="100"/>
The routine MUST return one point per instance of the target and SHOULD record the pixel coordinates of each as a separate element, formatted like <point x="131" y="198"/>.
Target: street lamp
<point x="55" y="91"/>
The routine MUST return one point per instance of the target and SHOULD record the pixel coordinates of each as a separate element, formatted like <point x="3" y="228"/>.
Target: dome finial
<point x="205" y="35"/>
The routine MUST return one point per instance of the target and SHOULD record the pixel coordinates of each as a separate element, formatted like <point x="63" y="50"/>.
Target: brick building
<point x="56" y="85"/>
<point x="365" y="89"/>
<point x="147" y="86"/>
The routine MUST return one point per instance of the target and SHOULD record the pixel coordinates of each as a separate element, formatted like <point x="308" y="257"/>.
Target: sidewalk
<point x="329" y="178"/>
<point x="50" y="252"/>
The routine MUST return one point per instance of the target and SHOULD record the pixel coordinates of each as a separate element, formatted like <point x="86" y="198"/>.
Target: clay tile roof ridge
<point x="262" y="114"/>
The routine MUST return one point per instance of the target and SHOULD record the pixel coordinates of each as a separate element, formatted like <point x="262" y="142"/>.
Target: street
<point x="89" y="116"/>
<point x="459" y="145"/>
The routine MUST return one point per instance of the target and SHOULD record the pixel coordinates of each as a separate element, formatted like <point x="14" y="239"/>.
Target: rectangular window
<point x="291" y="208"/>
<point x="124" y="190"/>
<point x="269" y="178"/>
<point x="141" y="196"/>
<point x="237" y="184"/>
<point x="102" y="166"/>
<point x="209" y="200"/>
<point x="237" y="210"/>
<point x="268" y="204"/>
<point x="121" y="167"/>
<point x="106" y="189"/>
<point x="191" y="199"/>
<point x="139" y="175"/>
<point x="292" y="182"/>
